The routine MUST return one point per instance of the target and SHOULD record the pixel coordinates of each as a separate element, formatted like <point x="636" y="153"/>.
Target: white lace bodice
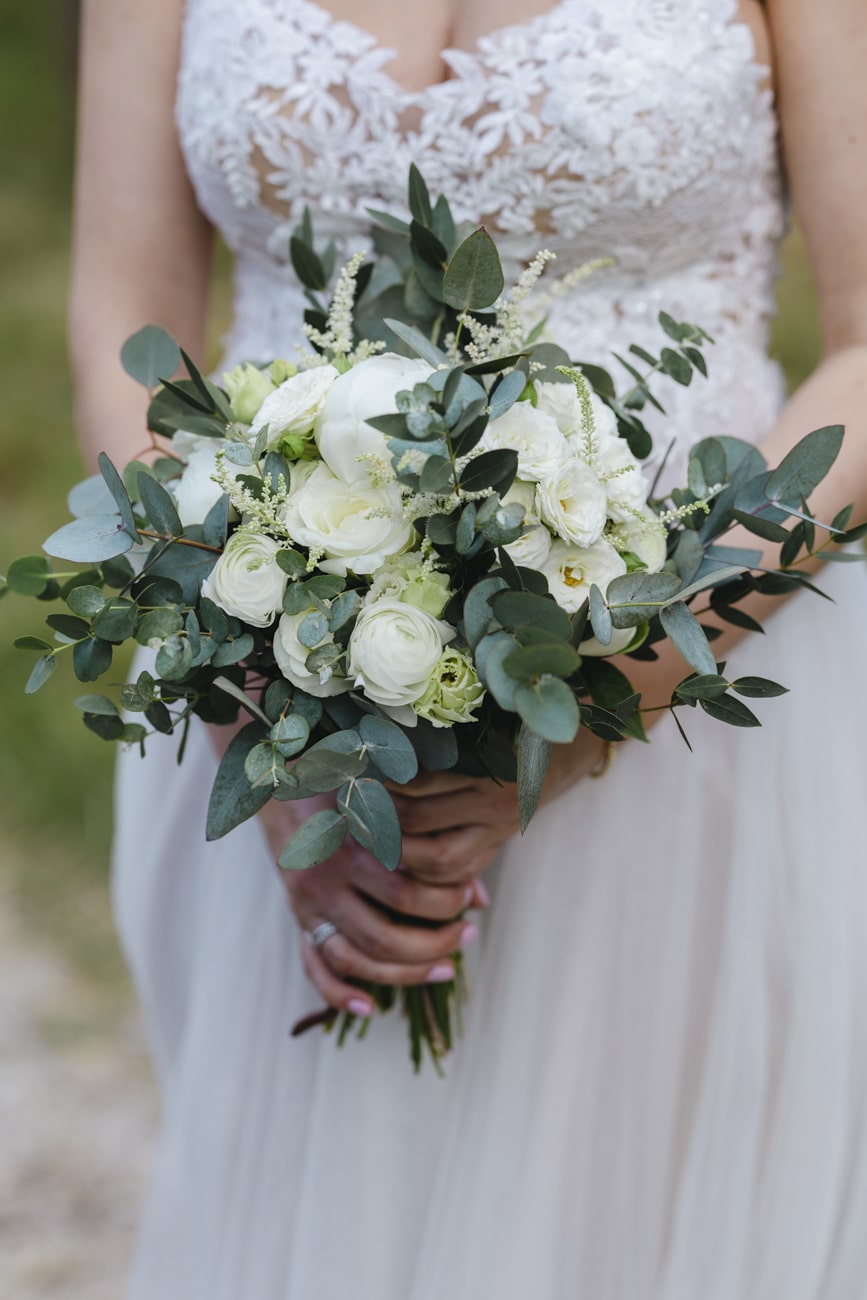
<point x="632" y="129"/>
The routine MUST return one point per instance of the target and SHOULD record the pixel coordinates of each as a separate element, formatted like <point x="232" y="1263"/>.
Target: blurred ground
<point x="77" y="1116"/>
<point x="76" y="1104"/>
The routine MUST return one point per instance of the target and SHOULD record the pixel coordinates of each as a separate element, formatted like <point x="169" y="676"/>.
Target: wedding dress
<point x="660" y="1090"/>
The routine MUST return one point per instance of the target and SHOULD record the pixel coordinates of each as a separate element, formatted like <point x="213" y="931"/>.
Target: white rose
<point x="532" y="547"/>
<point x="647" y="538"/>
<point x="393" y="650"/>
<point x="246" y="581"/>
<point x="573" y="503"/>
<point x="293" y="407"/>
<point x="291" y="658"/>
<point x="533" y="434"/>
<point x="355" y="526"/>
<point x="197" y="490"/>
<point x="368" y="389"/>
<point x="625" y="483"/>
<point x="572" y="570"/>
<point x="563" y="403"/>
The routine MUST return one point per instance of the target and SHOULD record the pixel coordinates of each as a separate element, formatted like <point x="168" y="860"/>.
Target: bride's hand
<point x="366" y="902"/>
<point x="453" y="826"/>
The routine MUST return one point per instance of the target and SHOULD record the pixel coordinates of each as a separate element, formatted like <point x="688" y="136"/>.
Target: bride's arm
<point x="820" y="55"/>
<point x="141" y="249"/>
<point x="142" y="254"/>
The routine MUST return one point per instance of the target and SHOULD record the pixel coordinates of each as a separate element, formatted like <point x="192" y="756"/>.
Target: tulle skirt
<point x="660" y="1091"/>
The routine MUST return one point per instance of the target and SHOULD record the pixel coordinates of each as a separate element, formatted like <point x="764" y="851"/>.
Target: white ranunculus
<point x="572" y="570"/>
<point x="247" y="582"/>
<point x="354" y="525"/>
<point x="291" y="658"/>
<point x="197" y="490"/>
<point x="625" y="483"/>
<point x="647" y="538"/>
<point x="532" y="547"/>
<point x="620" y="638"/>
<point x="573" y="503"/>
<point x="563" y="403"/>
<point x="393" y="650"/>
<point x="533" y="434"/>
<point x="293" y="407"/>
<point x="368" y="389"/>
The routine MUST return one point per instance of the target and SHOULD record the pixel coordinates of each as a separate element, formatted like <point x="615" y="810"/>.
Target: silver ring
<point x="323" y="932"/>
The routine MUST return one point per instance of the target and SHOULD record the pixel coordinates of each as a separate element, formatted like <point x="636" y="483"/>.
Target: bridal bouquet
<point x="419" y="556"/>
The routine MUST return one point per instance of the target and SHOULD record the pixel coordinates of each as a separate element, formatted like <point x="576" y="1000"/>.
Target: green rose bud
<point x="281" y="371"/>
<point x="453" y="690"/>
<point x="427" y="591"/>
<point x="247" y="387"/>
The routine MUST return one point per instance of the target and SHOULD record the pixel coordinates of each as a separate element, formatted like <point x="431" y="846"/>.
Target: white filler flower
<point x="393" y="650"/>
<point x="355" y="526"/>
<point x="246" y="581"/>
<point x="368" y="389"/>
<point x="294" y="406"/>
<point x="573" y="503"/>
<point x="291" y="658"/>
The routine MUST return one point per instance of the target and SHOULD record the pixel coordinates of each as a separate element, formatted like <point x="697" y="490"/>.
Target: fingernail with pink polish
<point x="359" y="1007"/>
<point x="441" y="974"/>
<point x="483" y="898"/>
<point x="468" y="934"/>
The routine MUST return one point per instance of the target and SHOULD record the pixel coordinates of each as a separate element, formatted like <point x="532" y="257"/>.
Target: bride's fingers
<point x="400" y="892"/>
<point x="446" y="811"/>
<point x="450" y="856"/>
<point x="335" y="992"/>
<point x="388" y="944"/>
<point x="348" y="962"/>
<point x="428" y="783"/>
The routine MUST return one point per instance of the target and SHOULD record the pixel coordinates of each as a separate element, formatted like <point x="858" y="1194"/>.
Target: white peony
<point x="291" y="658"/>
<point x="393" y="650"/>
<point x="647" y="538"/>
<point x="197" y="490"/>
<point x="532" y="547"/>
<point x="533" y="434"/>
<point x="368" y="389"/>
<point x="355" y="526"/>
<point x="572" y="570"/>
<point x="247" y="582"/>
<point x="573" y="503"/>
<point x="293" y="407"/>
<point x="625" y="483"/>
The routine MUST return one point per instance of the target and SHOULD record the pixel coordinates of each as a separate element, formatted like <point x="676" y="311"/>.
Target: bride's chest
<point x="591" y="110"/>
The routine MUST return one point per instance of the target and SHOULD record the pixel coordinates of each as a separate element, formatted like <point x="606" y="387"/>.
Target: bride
<point x="659" y="1093"/>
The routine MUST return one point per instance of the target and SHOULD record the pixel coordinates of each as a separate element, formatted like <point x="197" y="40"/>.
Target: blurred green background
<point x="55" y="777"/>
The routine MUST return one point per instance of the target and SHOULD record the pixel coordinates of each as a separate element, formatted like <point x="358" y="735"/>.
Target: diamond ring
<point x="323" y="932"/>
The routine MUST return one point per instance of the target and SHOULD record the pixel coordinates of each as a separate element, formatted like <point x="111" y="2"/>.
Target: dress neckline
<point x="456" y="56"/>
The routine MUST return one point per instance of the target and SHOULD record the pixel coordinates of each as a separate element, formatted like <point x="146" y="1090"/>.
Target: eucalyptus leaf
<point x="389" y="748"/>
<point x="40" y="673"/>
<point x="89" y="540"/>
<point x="233" y="800"/>
<point x="600" y="616"/>
<point x="414" y="339"/>
<point x="474" y="276"/>
<point x="478" y="614"/>
<point x="114" y="483"/>
<point x="150" y="353"/>
<point x="29" y="576"/>
<point x="550" y="709"/>
<point x="90" y="497"/>
<point x="506" y="393"/>
<point x="91" y="658"/>
<point x="372" y="819"/>
<point x="316" y="841"/>
<point x="635" y="597"/>
<point x="687" y="635"/>
<point x="534" y="755"/>
<point x="727" y="709"/>
<point x="804" y="467"/>
<point x="160" y="507"/>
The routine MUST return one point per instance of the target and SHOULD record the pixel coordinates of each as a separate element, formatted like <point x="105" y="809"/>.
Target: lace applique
<point x="636" y="129"/>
